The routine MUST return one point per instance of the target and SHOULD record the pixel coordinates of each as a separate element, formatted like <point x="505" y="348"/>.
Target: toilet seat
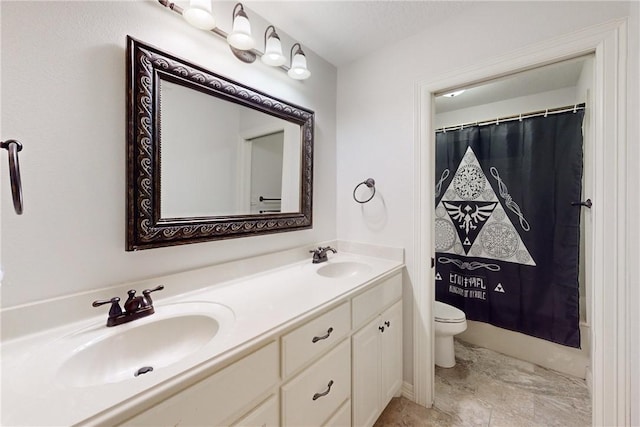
<point x="445" y="313"/>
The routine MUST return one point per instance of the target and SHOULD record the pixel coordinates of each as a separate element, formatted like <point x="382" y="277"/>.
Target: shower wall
<point x="544" y="353"/>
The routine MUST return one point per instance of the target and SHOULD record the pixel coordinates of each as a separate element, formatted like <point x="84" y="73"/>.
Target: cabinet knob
<point x="387" y="323"/>
<point x="381" y="328"/>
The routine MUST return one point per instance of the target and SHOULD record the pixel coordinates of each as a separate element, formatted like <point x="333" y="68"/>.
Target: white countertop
<point x="263" y="304"/>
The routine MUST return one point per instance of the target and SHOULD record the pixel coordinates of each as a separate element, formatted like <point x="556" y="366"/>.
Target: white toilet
<point x="449" y="321"/>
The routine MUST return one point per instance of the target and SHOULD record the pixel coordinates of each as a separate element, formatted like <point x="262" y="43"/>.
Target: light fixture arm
<point x="237" y="12"/>
<point x="273" y="33"/>
<point x="297" y="51"/>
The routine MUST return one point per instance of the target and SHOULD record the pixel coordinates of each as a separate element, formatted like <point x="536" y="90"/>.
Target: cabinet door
<point x="267" y="414"/>
<point x="366" y="374"/>
<point x="391" y="352"/>
<point x="342" y="418"/>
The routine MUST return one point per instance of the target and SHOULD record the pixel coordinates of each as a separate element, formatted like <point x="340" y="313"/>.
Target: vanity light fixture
<point x="199" y="13"/>
<point x="298" y="70"/>
<point x="240" y="35"/>
<point x="272" y="48"/>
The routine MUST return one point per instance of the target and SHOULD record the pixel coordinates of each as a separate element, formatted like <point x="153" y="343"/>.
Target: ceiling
<point x="342" y="31"/>
<point x="538" y="80"/>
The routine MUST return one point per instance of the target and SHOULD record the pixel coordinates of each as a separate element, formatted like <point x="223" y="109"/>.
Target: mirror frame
<point x="146" y="65"/>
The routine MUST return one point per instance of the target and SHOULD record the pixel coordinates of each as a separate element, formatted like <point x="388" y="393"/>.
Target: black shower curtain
<point x="506" y="234"/>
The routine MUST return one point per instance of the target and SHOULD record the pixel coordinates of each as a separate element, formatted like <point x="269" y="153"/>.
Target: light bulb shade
<point x="199" y="14"/>
<point x="299" y="70"/>
<point x="273" y="52"/>
<point x="240" y="36"/>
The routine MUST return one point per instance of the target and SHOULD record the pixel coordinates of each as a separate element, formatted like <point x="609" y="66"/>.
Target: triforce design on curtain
<point x="506" y="234"/>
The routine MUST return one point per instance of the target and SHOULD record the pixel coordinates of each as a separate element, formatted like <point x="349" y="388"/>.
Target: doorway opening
<point x="608" y="312"/>
<point x="508" y="237"/>
<point x="513" y="114"/>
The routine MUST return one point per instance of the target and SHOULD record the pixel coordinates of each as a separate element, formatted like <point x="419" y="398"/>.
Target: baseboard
<point x="407" y="391"/>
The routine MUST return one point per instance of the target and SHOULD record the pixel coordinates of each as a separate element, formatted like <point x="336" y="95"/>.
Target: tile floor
<point x="486" y="388"/>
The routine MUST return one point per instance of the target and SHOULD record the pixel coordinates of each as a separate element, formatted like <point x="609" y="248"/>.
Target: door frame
<point x="291" y="179"/>
<point x="610" y="212"/>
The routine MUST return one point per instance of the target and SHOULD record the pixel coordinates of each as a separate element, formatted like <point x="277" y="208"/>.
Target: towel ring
<point x="14" y="147"/>
<point x="369" y="182"/>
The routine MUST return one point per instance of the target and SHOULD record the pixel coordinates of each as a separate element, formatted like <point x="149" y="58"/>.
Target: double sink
<point x="98" y="355"/>
<point x="77" y="370"/>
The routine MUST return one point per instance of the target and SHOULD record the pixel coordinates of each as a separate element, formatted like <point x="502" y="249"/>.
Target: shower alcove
<point x="567" y="83"/>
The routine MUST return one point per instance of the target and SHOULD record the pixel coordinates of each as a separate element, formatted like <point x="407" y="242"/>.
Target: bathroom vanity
<point x="298" y="344"/>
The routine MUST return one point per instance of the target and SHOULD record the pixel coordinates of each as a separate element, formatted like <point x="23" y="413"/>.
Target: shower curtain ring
<point x="369" y="182"/>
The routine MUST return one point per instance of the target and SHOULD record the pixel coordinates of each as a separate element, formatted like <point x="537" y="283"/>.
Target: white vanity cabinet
<point x="273" y="340"/>
<point x="338" y="368"/>
<point x="377" y="350"/>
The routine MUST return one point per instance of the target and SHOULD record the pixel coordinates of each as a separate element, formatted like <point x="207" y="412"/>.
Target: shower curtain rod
<point x="497" y="121"/>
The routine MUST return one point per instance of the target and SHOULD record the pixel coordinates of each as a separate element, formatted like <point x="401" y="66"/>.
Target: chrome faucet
<point x="135" y="307"/>
<point x="320" y="254"/>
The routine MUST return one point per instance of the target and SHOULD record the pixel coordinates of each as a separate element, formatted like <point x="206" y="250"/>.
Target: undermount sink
<point x="343" y="269"/>
<point x="104" y="355"/>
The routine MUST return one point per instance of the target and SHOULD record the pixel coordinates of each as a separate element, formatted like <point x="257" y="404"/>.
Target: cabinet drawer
<point x="314" y="338"/>
<point x="215" y="399"/>
<point x="267" y="414"/>
<point x="372" y="302"/>
<point x="342" y="418"/>
<point x="298" y="405"/>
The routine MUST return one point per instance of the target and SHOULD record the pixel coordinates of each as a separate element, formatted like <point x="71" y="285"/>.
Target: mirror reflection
<point x="219" y="158"/>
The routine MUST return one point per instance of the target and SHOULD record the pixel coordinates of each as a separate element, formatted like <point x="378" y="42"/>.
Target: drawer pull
<point x="387" y="323"/>
<point x="381" y="328"/>
<point x="324" y="337"/>
<point x="319" y="395"/>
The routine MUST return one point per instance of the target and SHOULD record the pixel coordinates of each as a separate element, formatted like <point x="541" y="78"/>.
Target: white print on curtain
<point x="445" y="175"/>
<point x="470" y="220"/>
<point x="504" y="193"/>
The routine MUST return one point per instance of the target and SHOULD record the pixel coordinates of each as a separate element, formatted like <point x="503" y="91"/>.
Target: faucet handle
<point x="115" y="309"/>
<point x="146" y="293"/>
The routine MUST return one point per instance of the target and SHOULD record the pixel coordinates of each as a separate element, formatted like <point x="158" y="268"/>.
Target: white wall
<point x="64" y="96"/>
<point x="376" y="102"/>
<point x="199" y="145"/>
